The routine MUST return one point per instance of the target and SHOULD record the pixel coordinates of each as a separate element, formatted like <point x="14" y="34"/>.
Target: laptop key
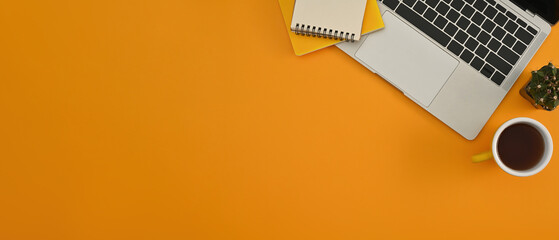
<point x="473" y="30"/>
<point x="478" y="18"/>
<point x="457" y="4"/>
<point x="467" y="56"/>
<point x="410" y="2"/>
<point x="499" y="63"/>
<point x="488" y="26"/>
<point x="480" y="5"/>
<point x="509" y="40"/>
<point x="532" y="30"/>
<point x="453" y="15"/>
<point x="498" y="33"/>
<point x="442" y="8"/>
<point x="468" y="11"/>
<point x="511" y="26"/>
<point x="524" y="36"/>
<point x="508" y="55"/>
<point x="432" y="3"/>
<point x="482" y="51"/>
<point x="487" y="70"/>
<point x="450" y="29"/>
<point x="392" y="4"/>
<point x="430" y="14"/>
<point x="521" y="23"/>
<point x="483" y="37"/>
<point x="471" y="44"/>
<point x="519" y="48"/>
<point x="490" y="12"/>
<point x="501" y="19"/>
<point x="420" y="7"/>
<point x="455" y="48"/>
<point x="461" y="36"/>
<point x="470" y="1"/>
<point x="423" y="25"/>
<point x="494" y="45"/>
<point x="491" y="2"/>
<point x="498" y="78"/>
<point x="501" y="8"/>
<point x="511" y="15"/>
<point x="463" y="23"/>
<point x="441" y="22"/>
<point x="477" y="63"/>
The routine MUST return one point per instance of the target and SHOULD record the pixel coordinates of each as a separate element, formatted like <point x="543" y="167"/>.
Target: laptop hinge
<point x="531" y="13"/>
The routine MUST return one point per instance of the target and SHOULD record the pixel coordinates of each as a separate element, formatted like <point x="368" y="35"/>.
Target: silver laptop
<point x="455" y="58"/>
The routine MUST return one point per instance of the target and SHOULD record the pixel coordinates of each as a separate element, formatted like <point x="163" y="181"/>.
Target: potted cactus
<point x="543" y="89"/>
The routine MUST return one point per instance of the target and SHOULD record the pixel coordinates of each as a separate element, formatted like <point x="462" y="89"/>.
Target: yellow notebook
<point x="304" y="44"/>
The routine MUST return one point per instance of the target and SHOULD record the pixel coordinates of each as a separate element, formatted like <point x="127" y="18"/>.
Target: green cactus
<point x="544" y="87"/>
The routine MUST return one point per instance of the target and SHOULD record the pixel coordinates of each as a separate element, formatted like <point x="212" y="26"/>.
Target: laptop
<point x="455" y="58"/>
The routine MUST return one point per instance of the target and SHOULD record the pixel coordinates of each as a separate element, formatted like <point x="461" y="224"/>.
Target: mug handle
<point x="484" y="156"/>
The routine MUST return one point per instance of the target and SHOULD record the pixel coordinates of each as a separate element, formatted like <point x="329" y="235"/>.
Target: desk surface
<point x="183" y="120"/>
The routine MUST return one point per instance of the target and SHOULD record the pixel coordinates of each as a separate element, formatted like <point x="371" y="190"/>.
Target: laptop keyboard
<point x="481" y="32"/>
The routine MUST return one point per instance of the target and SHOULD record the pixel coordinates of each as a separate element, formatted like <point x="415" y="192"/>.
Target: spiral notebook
<point x="302" y="45"/>
<point x="338" y="19"/>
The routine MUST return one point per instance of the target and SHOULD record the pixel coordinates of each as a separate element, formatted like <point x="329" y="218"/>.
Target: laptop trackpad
<point x="407" y="59"/>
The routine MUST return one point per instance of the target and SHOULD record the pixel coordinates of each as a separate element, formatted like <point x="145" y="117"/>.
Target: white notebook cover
<point x="337" y="15"/>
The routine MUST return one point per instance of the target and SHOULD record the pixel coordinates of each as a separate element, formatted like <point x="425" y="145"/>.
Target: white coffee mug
<point x="546" y="157"/>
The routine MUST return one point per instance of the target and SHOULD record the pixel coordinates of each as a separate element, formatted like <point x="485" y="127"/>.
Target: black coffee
<point x="520" y="146"/>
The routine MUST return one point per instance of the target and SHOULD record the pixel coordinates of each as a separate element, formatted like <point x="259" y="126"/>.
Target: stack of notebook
<point x="316" y="24"/>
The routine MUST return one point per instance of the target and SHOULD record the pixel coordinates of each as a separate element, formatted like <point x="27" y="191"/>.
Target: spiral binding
<point x="307" y="30"/>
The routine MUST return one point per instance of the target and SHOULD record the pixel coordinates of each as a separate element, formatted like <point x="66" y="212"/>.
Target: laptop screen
<point x="547" y="9"/>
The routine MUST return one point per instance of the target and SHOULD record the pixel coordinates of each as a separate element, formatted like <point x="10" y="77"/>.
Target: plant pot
<point x="524" y="93"/>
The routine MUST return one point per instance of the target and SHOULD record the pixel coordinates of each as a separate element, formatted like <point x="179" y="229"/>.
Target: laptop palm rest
<point x="407" y="59"/>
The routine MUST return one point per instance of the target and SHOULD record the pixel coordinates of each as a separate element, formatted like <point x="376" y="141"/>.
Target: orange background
<point x="195" y="120"/>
